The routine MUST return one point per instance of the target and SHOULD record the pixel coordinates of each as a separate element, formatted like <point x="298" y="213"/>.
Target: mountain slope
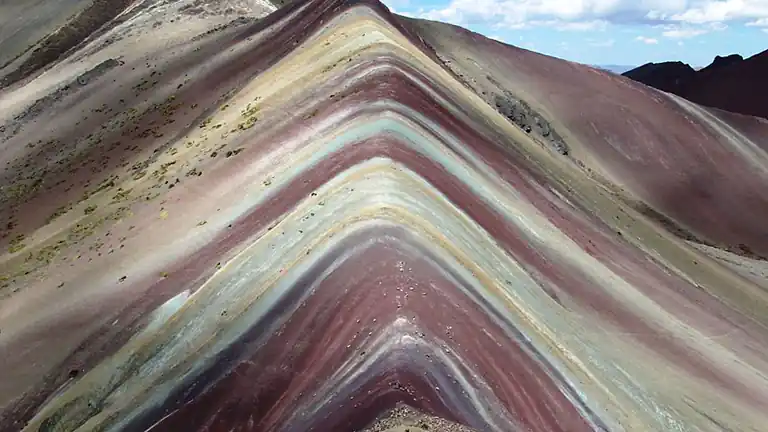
<point x="304" y="220"/>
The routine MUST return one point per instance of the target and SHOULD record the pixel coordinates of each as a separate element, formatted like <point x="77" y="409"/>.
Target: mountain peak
<point x="721" y="62"/>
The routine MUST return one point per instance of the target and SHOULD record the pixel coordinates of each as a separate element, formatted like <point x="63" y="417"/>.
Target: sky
<point x="610" y="32"/>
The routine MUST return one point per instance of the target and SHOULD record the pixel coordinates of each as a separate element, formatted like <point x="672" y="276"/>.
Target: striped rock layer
<point x="301" y="221"/>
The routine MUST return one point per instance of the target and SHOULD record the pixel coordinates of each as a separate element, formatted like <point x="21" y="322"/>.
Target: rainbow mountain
<point x="235" y="216"/>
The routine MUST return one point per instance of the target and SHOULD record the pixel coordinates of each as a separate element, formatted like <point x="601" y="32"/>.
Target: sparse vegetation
<point x="17" y="244"/>
<point x="121" y="195"/>
<point x="249" y="114"/>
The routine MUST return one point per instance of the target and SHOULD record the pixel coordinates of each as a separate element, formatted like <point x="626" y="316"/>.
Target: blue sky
<point x="619" y="32"/>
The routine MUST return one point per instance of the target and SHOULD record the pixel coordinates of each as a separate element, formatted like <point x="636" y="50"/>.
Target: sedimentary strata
<point x="307" y="220"/>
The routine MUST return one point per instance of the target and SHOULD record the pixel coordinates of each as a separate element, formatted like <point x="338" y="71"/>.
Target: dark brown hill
<point x="667" y="76"/>
<point x="731" y="83"/>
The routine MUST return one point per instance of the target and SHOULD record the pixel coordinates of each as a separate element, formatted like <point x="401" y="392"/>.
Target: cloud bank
<point x="679" y="18"/>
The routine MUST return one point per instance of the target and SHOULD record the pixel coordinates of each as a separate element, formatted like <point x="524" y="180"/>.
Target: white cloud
<point x="647" y="40"/>
<point x="559" y="25"/>
<point x="577" y="25"/>
<point x="601" y="44"/>
<point x="709" y="11"/>
<point x="683" y="33"/>
<point x="762" y="22"/>
<point x="597" y="14"/>
<point x="686" y="31"/>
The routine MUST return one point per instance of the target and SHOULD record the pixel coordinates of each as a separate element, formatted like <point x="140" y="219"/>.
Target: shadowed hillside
<point x="730" y="83"/>
<point x="672" y="77"/>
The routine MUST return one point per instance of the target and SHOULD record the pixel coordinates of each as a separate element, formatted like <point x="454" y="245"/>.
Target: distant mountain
<point x="721" y="62"/>
<point x="731" y="83"/>
<point x="668" y="76"/>
<point x="617" y="69"/>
